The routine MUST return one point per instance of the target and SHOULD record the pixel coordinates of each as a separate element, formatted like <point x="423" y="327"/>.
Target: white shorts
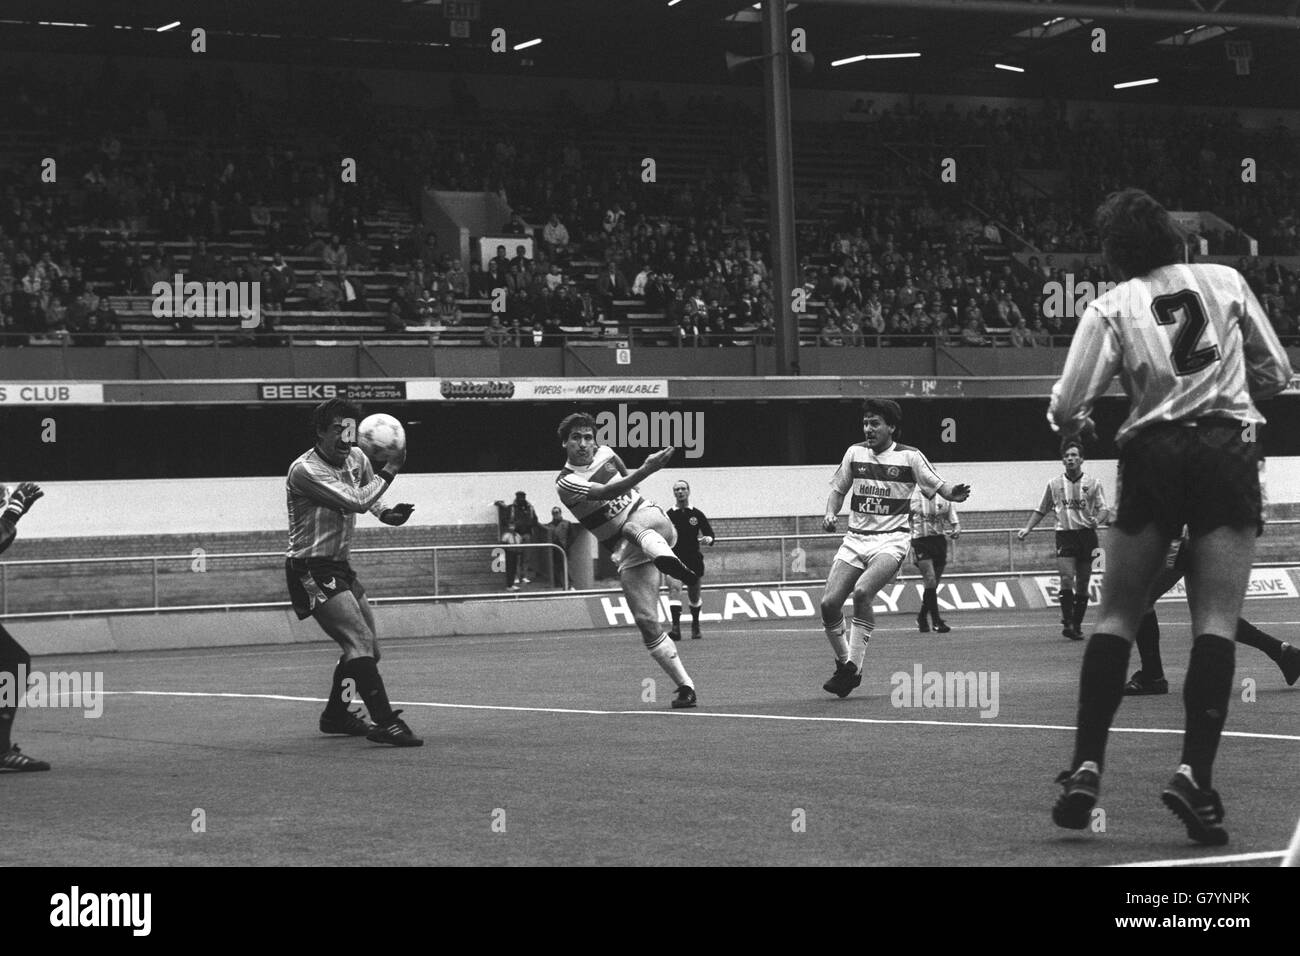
<point x="858" y="549"/>
<point x="627" y="553"/>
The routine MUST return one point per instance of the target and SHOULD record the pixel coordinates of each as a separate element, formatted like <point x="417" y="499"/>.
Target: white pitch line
<point x="697" y="713"/>
<point x="1205" y="860"/>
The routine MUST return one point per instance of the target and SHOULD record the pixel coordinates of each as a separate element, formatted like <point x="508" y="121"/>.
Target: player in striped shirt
<point x="934" y="521"/>
<point x="596" y="486"/>
<point x="1194" y="352"/>
<point x="1079" y="504"/>
<point x="882" y="476"/>
<point x="327" y="487"/>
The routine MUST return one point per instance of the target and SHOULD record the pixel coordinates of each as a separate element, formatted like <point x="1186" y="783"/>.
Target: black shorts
<point x="693" y="561"/>
<point x="1078" y="544"/>
<point x="932" y="546"/>
<point x="313" y="581"/>
<point x="1203" y="475"/>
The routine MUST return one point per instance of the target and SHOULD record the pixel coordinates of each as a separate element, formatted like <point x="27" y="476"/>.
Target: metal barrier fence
<point x="263" y="576"/>
<point x="742" y="560"/>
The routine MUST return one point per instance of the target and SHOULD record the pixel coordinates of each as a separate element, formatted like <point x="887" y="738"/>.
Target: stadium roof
<point x="961" y="42"/>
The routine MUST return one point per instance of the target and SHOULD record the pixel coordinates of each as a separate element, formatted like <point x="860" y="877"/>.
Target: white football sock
<point x="665" y="652"/>
<point x="653" y="543"/>
<point x="859" y="635"/>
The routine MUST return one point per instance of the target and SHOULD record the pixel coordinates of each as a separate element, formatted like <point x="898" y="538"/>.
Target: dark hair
<point x="886" y="409"/>
<point x="325" y="413"/>
<point x="1069" y="443"/>
<point x="1137" y="233"/>
<point x="576" y="420"/>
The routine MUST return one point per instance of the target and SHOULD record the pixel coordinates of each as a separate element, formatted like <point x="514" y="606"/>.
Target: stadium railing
<point x="457" y="572"/>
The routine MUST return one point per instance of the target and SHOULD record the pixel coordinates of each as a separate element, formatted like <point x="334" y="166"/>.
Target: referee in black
<point x="692" y="528"/>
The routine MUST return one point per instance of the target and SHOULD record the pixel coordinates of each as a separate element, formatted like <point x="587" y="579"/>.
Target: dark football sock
<point x="1252" y="636"/>
<point x="1101" y="688"/>
<point x="695" y="614"/>
<point x="1067" y="606"/>
<point x="1080" y="606"/>
<point x="336" y="706"/>
<point x="930" y="603"/>
<point x="676" y="611"/>
<point x="7" y="715"/>
<point x="1148" y="644"/>
<point x="1205" y="699"/>
<point x="371" y="688"/>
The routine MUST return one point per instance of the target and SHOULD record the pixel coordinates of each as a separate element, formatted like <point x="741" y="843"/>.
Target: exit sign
<point x="462" y="9"/>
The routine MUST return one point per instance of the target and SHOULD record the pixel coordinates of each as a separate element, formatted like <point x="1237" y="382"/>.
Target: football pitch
<point x="545" y="749"/>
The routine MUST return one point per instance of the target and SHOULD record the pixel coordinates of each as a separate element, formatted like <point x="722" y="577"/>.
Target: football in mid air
<point x="380" y="436"/>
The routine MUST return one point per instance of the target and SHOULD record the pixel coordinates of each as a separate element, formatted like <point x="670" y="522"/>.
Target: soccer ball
<point x="380" y="436"/>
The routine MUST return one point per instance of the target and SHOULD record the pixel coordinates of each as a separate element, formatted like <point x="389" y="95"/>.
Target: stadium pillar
<point x="780" y="183"/>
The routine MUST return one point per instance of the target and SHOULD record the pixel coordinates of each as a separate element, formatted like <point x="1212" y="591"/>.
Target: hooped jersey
<point x="1076" y="504"/>
<point x="882" y="485"/>
<point x="604" y="519"/>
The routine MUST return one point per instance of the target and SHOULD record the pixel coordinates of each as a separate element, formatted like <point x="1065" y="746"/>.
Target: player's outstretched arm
<point x="619" y="485"/>
<point x="954" y="492"/>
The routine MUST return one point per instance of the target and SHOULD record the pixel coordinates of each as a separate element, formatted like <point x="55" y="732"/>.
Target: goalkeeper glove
<point x="23" y="498"/>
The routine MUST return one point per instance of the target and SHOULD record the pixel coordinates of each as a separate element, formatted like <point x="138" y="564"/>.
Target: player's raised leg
<point x="880" y="571"/>
<point x="641" y="586"/>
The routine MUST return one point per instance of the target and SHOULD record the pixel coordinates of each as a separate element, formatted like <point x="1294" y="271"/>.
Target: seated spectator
<point x="448" y="312"/>
<point x="352" y="292"/>
<point x="851" y="328"/>
<point x="394" y="320"/>
<point x="1021" y="336"/>
<point x="555" y="238"/>
<point x="495" y="335"/>
<point x="829" y="336"/>
<point x="515" y="226"/>
<point x="1040" y="335"/>
<point x="972" y="335"/>
<point x="481" y="283"/>
<point x="457" y="279"/>
<point x="335" y="254"/>
<point x="323" y="296"/>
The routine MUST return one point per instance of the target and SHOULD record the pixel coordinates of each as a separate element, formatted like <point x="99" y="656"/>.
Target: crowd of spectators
<point x="923" y="260"/>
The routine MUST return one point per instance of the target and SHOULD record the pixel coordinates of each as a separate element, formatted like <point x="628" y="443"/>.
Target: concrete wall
<point x="83" y="509"/>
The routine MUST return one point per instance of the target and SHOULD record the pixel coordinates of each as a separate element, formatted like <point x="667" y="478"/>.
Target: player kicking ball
<point x="1195" y="351"/>
<point x="328" y="486"/>
<point x="596" y="486"/>
<point x="1151" y="678"/>
<point x="882" y="475"/>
